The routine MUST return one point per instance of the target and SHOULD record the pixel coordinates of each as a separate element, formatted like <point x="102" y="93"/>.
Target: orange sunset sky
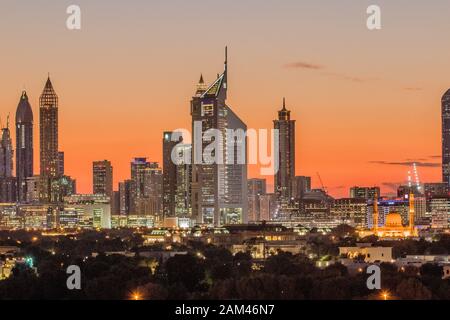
<point x="367" y="103"/>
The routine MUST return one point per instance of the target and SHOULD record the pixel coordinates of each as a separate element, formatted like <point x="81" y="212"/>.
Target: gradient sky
<point x="367" y="103"/>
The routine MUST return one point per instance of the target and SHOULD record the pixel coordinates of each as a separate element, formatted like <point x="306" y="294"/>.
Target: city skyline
<point x="116" y="113"/>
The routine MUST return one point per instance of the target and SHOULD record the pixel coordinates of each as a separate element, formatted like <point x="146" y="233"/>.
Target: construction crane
<point x="321" y="183"/>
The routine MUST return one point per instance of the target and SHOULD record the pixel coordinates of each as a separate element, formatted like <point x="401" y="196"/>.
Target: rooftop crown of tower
<point x="48" y="98"/>
<point x="24" y="113"/>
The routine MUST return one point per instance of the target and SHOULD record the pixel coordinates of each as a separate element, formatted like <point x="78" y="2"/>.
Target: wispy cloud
<point x="303" y="65"/>
<point x="322" y="68"/>
<point x="408" y="163"/>
<point x="413" y="89"/>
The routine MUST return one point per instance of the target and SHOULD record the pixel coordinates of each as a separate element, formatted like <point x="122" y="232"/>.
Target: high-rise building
<point x="256" y="188"/>
<point x="125" y="188"/>
<point x="7" y="181"/>
<point x="286" y="155"/>
<point x="183" y="184"/>
<point x="169" y="175"/>
<point x="51" y="159"/>
<point x="445" y="114"/>
<point x="102" y="176"/>
<point x="146" y="188"/>
<point x="48" y="129"/>
<point x="367" y="193"/>
<point x="24" y="146"/>
<point x="219" y="173"/>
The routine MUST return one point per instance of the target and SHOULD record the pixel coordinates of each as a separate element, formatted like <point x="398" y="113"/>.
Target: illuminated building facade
<point x="87" y="211"/>
<point x="102" y="176"/>
<point x="24" y="146"/>
<point x="219" y="180"/>
<point x="256" y="188"/>
<point x="8" y="187"/>
<point x="393" y="226"/>
<point x="445" y="113"/>
<point x="286" y="155"/>
<point x="364" y="192"/>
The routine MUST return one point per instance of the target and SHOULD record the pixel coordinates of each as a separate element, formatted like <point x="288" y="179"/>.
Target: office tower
<point x="183" y="181"/>
<point x="125" y="196"/>
<point x="115" y="203"/>
<point x="300" y="185"/>
<point x="48" y="128"/>
<point x="256" y="188"/>
<point x="445" y="114"/>
<point x="24" y="146"/>
<point x="7" y="181"/>
<point x="219" y="173"/>
<point x="51" y="190"/>
<point x="432" y="190"/>
<point x="146" y="188"/>
<point x="367" y="193"/>
<point x="286" y="155"/>
<point x="102" y="176"/>
<point x="169" y="175"/>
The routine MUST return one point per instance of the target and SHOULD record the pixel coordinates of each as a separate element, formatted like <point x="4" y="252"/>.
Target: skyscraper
<point x="24" y="146"/>
<point x="445" y="113"/>
<point x="48" y="129"/>
<point x="102" y="176"/>
<point x="146" y="188"/>
<point x="286" y="155"/>
<point x="219" y="176"/>
<point x="7" y="181"/>
<point x="169" y="176"/>
<point x="6" y="153"/>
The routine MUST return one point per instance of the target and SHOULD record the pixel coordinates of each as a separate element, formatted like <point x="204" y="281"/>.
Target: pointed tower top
<point x="201" y="79"/>
<point x="24" y="95"/>
<point x="284" y="104"/>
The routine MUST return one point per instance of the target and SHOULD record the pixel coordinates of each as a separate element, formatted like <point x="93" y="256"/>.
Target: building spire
<point x="284" y="104"/>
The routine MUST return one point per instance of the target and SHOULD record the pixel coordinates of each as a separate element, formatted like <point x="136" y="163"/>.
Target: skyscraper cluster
<point x="51" y="185"/>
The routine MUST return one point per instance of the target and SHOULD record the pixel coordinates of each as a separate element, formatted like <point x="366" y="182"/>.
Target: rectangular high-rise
<point x="286" y="155"/>
<point x="169" y="176"/>
<point x="102" y="176"/>
<point x="219" y="173"/>
<point x="445" y="114"/>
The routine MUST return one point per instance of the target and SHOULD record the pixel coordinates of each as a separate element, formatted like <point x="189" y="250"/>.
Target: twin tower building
<point x="48" y="183"/>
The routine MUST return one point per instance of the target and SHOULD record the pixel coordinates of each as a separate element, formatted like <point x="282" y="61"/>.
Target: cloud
<point x="435" y="157"/>
<point x="303" y="65"/>
<point x="408" y="163"/>
<point x="413" y="89"/>
<point x="318" y="67"/>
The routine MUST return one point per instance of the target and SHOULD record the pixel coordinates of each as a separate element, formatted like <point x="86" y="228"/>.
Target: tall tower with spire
<point x="48" y="129"/>
<point x="219" y="187"/>
<point x="51" y="188"/>
<point x="445" y="115"/>
<point x="286" y="155"/>
<point x="7" y="181"/>
<point x="24" y="146"/>
<point x="6" y="153"/>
